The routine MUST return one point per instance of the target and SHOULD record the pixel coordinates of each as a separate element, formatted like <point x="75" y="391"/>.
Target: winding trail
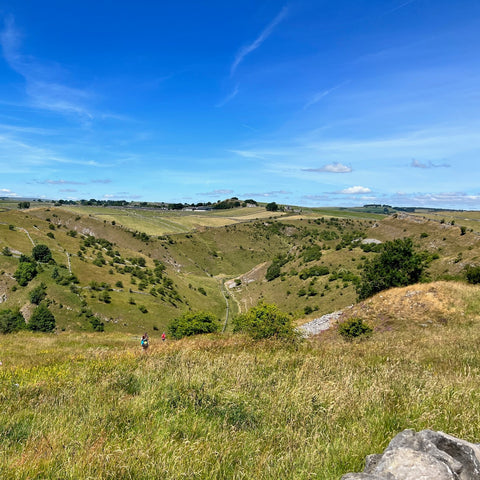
<point x="69" y="264"/>
<point x="222" y="289"/>
<point x="24" y="230"/>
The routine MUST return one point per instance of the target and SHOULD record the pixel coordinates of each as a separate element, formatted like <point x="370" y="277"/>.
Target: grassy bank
<point x="94" y="406"/>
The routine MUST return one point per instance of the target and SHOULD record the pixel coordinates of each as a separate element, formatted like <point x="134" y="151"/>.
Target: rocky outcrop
<point x="426" y="455"/>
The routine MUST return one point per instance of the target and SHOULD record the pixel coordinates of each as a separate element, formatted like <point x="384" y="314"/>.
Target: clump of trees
<point x="191" y="323"/>
<point x="264" y="321"/>
<point x="397" y="265"/>
<point x="274" y="270"/>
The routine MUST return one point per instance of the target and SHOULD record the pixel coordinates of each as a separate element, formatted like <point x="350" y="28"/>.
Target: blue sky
<point x="308" y="102"/>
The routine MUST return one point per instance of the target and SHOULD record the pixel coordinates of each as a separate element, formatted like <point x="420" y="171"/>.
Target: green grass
<point x="93" y="406"/>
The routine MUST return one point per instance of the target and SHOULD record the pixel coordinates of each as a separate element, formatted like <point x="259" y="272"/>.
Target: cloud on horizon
<point x="267" y="194"/>
<point x="417" y="164"/>
<point x="59" y="182"/>
<point x="215" y="193"/>
<point x="6" y="192"/>
<point x="356" y="190"/>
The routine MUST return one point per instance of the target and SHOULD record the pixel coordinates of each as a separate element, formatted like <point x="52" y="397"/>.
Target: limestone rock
<point x="426" y="455"/>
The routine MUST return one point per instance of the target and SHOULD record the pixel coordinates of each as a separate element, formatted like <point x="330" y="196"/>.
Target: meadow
<point x="81" y="406"/>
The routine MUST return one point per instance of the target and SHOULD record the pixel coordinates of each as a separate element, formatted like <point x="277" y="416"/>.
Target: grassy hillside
<point x="93" y="406"/>
<point x="134" y="280"/>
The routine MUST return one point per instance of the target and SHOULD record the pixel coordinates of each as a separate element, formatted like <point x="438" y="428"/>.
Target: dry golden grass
<point x="418" y="305"/>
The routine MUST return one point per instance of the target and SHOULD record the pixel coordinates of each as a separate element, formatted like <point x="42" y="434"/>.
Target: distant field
<point x="161" y="222"/>
<point x="469" y="219"/>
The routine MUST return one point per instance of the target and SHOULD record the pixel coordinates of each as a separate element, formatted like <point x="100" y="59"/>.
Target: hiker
<point x="144" y="341"/>
<point x="163" y="336"/>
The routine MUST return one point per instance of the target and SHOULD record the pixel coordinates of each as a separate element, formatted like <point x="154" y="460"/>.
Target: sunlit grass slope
<point x="93" y="406"/>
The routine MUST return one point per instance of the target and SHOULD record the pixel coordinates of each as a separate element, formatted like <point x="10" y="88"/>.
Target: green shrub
<point x="96" y="324"/>
<point x="315" y="271"/>
<point x="353" y="328"/>
<point x="42" y="320"/>
<point x="6" y="251"/>
<point x="264" y="321"/>
<point x="193" y="324"/>
<point x="312" y="253"/>
<point x="11" y="320"/>
<point x="473" y="274"/>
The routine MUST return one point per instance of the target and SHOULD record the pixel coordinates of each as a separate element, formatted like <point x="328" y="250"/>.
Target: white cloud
<point x="244" y="51"/>
<point x="356" y="190"/>
<point x="6" y="192"/>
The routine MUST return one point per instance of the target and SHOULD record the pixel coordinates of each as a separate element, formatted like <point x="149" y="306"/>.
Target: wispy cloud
<point x="41" y="79"/>
<point x="417" y="164"/>
<point x="331" y="168"/>
<point x="266" y="194"/>
<point x="322" y="94"/>
<point x="228" y="98"/>
<point x="215" y="193"/>
<point x="247" y="49"/>
<point x="247" y="153"/>
<point x="101" y="180"/>
<point x="59" y="182"/>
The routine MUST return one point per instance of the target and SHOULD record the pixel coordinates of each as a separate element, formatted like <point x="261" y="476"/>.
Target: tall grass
<point x="223" y="407"/>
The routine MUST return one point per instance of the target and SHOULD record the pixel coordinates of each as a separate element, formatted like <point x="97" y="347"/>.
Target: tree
<point x="42" y="320"/>
<point x="193" y="324"/>
<point x="397" y="265"/>
<point x="25" y="272"/>
<point x="41" y="253"/>
<point x="11" y="320"/>
<point x="271" y="207"/>
<point x="264" y="321"/>
<point x="24" y="205"/>
<point x="38" y="294"/>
